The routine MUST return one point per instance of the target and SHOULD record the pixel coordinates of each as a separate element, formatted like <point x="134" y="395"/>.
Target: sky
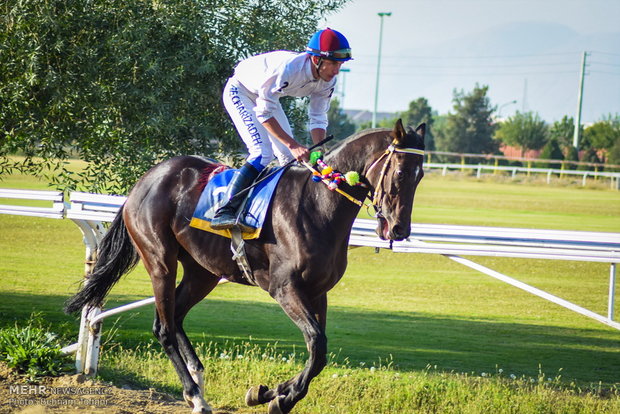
<point x="528" y="52"/>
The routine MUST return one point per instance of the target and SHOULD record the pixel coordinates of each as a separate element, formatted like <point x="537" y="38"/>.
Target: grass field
<point x="408" y="314"/>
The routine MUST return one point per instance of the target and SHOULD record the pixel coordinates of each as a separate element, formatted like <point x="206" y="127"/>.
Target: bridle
<point x="378" y="193"/>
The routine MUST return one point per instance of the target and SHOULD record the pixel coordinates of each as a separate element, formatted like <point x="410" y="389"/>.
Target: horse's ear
<point x="421" y="130"/>
<point x="399" y="132"/>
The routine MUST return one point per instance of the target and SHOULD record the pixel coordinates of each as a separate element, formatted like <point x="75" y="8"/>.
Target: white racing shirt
<point x="270" y="76"/>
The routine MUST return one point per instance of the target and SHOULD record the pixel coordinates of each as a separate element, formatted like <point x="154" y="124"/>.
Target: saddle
<point x="253" y="209"/>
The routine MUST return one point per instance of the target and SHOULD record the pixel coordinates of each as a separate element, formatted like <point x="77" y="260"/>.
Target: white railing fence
<point x="479" y="169"/>
<point x="89" y="211"/>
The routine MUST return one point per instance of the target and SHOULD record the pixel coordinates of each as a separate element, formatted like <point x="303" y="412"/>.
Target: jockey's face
<point x="328" y="68"/>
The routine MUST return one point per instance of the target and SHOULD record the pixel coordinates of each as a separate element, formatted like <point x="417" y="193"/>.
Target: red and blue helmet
<point x="329" y="44"/>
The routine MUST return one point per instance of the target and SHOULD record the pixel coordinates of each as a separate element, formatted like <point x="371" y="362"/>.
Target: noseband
<point x="379" y="194"/>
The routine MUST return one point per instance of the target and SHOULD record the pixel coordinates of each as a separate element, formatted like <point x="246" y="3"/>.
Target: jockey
<point x="251" y="97"/>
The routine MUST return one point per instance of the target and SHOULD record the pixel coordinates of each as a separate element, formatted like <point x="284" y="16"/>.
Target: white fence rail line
<point x="56" y="210"/>
<point x="550" y="172"/>
<point x="452" y="241"/>
<point x="540" y="293"/>
<point x="88" y="211"/>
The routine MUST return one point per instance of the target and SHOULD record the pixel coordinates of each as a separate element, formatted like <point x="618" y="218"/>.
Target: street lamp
<point x="499" y="111"/>
<point x="374" y="113"/>
<point x="342" y="90"/>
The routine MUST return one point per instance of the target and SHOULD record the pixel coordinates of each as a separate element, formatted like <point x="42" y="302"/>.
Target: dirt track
<point x="77" y="394"/>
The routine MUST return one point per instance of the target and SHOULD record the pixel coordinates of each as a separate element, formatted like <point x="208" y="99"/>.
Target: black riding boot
<point x="226" y="216"/>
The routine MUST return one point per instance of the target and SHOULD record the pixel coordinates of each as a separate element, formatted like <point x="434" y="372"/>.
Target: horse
<point x="300" y="255"/>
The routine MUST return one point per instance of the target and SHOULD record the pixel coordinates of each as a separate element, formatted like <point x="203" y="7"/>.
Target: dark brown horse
<point x="300" y="255"/>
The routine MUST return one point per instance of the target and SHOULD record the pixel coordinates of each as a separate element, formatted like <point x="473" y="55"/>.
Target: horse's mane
<point x="333" y="152"/>
<point x="413" y="140"/>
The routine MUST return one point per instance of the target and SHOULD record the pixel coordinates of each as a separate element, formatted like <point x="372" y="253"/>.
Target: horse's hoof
<point x="202" y="411"/>
<point x="274" y="406"/>
<point x="198" y="404"/>
<point x="255" y="394"/>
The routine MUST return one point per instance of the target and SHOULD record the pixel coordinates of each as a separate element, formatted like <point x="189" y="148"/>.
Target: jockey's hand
<point x="300" y="153"/>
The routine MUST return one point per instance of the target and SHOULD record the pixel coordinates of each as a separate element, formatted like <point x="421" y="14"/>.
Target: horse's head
<point x="395" y="175"/>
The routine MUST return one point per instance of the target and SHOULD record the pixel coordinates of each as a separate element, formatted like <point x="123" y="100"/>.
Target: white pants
<point x="240" y="104"/>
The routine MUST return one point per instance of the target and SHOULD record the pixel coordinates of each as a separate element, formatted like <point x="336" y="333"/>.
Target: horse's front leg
<point x="310" y="317"/>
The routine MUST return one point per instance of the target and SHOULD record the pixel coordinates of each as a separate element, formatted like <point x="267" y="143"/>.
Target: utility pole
<point x="374" y="112"/>
<point x="344" y="71"/>
<point x="579" y="101"/>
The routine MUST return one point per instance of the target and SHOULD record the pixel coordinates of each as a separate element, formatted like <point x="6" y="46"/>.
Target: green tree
<point x="420" y="112"/>
<point x="126" y="83"/>
<point x="604" y="134"/>
<point x="613" y="155"/>
<point x="339" y="124"/>
<point x="562" y="131"/>
<point x="551" y="151"/>
<point x="524" y="130"/>
<point x="470" y="128"/>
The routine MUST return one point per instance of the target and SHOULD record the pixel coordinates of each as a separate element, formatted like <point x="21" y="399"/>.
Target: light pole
<point x="374" y="112"/>
<point x="342" y="90"/>
<point x="499" y="111"/>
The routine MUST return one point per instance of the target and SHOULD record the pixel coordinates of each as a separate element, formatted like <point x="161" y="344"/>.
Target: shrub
<point x="33" y="351"/>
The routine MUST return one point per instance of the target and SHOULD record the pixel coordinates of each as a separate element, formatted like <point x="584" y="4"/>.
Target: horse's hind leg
<point x="196" y="284"/>
<point x="309" y="316"/>
<point x="160" y="260"/>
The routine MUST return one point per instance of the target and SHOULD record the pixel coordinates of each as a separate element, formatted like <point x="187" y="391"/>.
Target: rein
<point x="377" y="195"/>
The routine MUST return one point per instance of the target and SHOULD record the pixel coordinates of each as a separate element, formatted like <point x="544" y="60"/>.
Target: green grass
<point x="416" y="311"/>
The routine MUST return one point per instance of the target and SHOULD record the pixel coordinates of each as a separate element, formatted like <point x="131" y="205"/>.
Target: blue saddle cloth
<point x="255" y="209"/>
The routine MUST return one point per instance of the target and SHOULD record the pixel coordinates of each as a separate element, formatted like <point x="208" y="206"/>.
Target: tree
<point x="126" y="83"/>
<point x="562" y="131"/>
<point x="420" y="111"/>
<point x="604" y="134"/>
<point x="613" y="155"/>
<point x="551" y="151"/>
<point x="525" y="130"/>
<point x="339" y="124"/>
<point x="470" y="128"/>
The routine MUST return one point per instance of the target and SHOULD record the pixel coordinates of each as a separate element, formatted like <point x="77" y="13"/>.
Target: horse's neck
<point x="358" y="153"/>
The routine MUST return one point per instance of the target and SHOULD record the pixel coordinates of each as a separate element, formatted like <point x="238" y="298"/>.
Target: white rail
<point x="56" y="210"/>
<point x="549" y="172"/>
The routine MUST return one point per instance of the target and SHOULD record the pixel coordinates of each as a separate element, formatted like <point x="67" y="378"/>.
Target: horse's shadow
<point x="361" y="339"/>
<point x="415" y="341"/>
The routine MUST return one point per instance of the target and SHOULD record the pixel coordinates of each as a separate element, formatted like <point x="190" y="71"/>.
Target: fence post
<point x="93" y="343"/>
<point x="612" y="292"/>
<point x="89" y="238"/>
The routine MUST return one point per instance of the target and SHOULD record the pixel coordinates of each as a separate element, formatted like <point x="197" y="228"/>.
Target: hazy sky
<point x="417" y="59"/>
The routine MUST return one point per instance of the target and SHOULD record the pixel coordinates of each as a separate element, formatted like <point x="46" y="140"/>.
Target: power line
<point x="604" y="72"/>
<point x="477" y="66"/>
<point x="606" y="53"/>
<point x="414" y="73"/>
<point x="473" y="57"/>
<point x="606" y="64"/>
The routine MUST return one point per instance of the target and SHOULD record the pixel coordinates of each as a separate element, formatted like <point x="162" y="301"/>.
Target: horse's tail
<point x="116" y="256"/>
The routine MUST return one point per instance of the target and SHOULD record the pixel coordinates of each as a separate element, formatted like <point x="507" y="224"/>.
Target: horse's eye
<point x="400" y="174"/>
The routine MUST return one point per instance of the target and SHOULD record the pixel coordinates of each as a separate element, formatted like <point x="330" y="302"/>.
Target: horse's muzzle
<point x="396" y="232"/>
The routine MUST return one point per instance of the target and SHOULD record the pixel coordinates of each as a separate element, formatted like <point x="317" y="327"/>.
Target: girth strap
<point x="237" y="245"/>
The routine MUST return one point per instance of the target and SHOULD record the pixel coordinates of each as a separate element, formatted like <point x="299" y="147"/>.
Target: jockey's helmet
<point x="329" y="44"/>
